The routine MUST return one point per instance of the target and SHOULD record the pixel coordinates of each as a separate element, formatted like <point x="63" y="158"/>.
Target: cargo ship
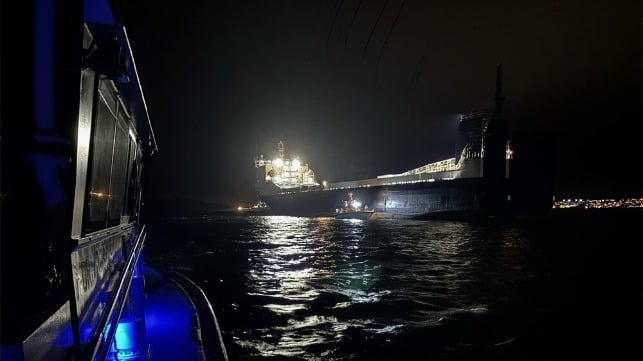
<point x="475" y="182"/>
<point x="75" y="135"/>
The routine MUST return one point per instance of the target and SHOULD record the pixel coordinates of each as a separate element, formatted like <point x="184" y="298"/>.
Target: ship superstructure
<point x="283" y="174"/>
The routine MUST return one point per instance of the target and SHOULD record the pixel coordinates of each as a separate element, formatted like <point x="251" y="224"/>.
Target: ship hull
<point x="453" y="197"/>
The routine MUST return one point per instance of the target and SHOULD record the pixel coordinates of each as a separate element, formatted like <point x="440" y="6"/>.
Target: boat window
<point x="131" y="203"/>
<point x="113" y="156"/>
<point x="102" y="142"/>
<point x="118" y="182"/>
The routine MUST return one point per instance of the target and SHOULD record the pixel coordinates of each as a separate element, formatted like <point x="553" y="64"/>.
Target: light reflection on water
<point x="317" y="281"/>
<point x="288" y="288"/>
<point x="320" y="288"/>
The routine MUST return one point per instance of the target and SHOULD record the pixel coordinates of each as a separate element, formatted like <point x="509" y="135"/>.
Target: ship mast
<point x="280" y="149"/>
<point x="494" y="148"/>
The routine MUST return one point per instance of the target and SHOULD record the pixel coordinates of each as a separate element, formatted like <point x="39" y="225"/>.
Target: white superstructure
<point x="285" y="173"/>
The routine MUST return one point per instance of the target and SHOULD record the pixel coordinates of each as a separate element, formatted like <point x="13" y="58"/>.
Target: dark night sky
<point x="222" y="78"/>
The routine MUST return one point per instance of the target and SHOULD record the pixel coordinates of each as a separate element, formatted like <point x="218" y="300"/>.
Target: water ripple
<point x="318" y="288"/>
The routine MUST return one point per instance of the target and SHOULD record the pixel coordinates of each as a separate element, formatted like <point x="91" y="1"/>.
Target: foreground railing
<point x="109" y="324"/>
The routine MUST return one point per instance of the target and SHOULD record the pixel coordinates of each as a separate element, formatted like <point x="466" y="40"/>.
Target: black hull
<point x="456" y="197"/>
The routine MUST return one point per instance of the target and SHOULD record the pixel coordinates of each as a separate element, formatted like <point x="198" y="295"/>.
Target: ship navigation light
<point x="279" y="162"/>
<point x="296" y="163"/>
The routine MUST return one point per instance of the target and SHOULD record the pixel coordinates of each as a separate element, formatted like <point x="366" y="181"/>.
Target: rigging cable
<point x="350" y="26"/>
<point x="388" y="35"/>
<point x="332" y="25"/>
<point x="373" y="29"/>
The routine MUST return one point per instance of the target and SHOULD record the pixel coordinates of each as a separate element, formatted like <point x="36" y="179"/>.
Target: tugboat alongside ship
<point x="353" y="209"/>
<point x="75" y="136"/>
<point x="476" y="182"/>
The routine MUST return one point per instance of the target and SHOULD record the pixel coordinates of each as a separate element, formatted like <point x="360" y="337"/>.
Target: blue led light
<point x="127" y="339"/>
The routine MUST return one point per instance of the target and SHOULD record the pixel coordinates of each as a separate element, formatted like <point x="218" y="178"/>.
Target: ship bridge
<point x="284" y="172"/>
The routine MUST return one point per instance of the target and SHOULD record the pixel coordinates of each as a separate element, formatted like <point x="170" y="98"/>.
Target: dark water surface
<point x="565" y="286"/>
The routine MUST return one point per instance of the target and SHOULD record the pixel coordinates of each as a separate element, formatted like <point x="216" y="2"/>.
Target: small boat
<point x="367" y="214"/>
<point x="353" y="209"/>
<point x="258" y="209"/>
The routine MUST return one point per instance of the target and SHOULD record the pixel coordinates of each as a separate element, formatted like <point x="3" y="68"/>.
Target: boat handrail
<point x="108" y="324"/>
<point x="106" y="232"/>
<point x="212" y="347"/>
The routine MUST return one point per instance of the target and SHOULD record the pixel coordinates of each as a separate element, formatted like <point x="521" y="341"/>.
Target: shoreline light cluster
<point x="599" y="203"/>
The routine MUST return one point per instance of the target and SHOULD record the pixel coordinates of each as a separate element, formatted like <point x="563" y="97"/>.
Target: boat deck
<point x="179" y="321"/>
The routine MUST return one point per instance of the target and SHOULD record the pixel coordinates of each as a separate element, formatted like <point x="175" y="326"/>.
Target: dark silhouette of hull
<point x="419" y="200"/>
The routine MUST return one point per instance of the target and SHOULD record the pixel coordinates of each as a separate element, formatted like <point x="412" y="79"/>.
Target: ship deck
<point x="179" y="321"/>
